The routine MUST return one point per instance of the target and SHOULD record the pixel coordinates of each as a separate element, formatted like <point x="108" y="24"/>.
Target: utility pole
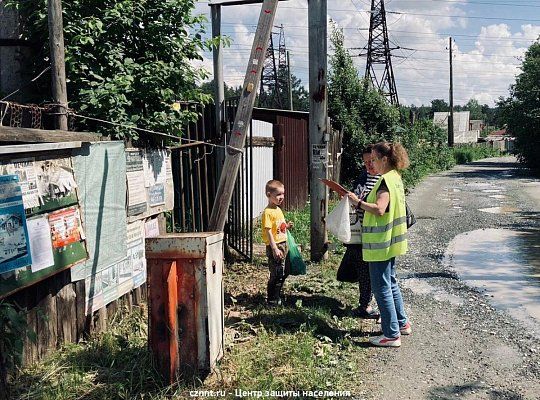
<point x="219" y="89"/>
<point x="58" y="65"/>
<point x="234" y="150"/>
<point x="318" y="126"/>
<point x="290" y="81"/>
<point x="451" y="93"/>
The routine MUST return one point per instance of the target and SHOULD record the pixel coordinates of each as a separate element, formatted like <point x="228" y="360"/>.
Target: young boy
<point x="274" y="233"/>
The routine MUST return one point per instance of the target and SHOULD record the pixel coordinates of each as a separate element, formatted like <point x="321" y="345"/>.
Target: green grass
<point x="311" y="343"/>
<point x="113" y="365"/>
<point x="466" y="154"/>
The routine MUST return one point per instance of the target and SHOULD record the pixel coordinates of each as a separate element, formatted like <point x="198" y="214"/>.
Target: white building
<point x="462" y="133"/>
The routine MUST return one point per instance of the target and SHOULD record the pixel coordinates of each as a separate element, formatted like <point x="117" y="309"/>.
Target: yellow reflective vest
<point x="384" y="237"/>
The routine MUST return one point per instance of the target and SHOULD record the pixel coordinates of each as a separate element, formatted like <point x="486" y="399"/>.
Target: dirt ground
<point x="461" y="346"/>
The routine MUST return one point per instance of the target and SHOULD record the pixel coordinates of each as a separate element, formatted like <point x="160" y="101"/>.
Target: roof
<point x="461" y="120"/>
<point x="500" y="132"/>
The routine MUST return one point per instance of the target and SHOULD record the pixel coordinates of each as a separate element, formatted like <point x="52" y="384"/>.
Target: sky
<point x="489" y="39"/>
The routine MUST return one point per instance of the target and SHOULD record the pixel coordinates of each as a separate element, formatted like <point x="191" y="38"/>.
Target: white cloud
<point x="486" y="52"/>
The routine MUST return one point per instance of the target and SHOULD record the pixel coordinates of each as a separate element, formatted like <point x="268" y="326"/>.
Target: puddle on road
<point x="506" y="265"/>
<point x="499" y="210"/>
<point x="498" y="196"/>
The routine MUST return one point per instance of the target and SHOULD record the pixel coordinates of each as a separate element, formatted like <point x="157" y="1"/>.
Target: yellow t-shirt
<point x="274" y="219"/>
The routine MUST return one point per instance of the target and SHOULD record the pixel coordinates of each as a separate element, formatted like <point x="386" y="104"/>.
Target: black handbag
<point x="411" y="219"/>
<point x="348" y="269"/>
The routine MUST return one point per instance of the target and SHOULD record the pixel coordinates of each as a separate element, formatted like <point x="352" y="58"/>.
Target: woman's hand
<point x="290" y="225"/>
<point x="353" y="198"/>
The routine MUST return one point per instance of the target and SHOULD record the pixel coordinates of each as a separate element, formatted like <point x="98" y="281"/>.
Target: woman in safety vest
<point x="384" y="236"/>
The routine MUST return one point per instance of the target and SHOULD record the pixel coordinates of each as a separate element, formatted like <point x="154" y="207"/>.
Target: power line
<point x="463" y="16"/>
<point x="356" y="29"/>
<point x="467" y="2"/>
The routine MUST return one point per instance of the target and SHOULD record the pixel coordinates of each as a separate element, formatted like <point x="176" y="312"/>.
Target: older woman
<point x="384" y="237"/>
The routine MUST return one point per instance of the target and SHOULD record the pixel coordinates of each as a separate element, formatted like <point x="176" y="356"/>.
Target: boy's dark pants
<point x="279" y="270"/>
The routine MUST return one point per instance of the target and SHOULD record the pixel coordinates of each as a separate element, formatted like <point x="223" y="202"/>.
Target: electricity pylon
<point x="378" y="53"/>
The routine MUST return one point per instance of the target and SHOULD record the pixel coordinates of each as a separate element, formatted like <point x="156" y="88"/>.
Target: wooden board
<point x="28" y="135"/>
<point x="336" y="187"/>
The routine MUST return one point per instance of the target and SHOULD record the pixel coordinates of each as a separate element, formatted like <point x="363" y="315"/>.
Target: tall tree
<point x="439" y="105"/>
<point x="521" y="111"/>
<point x="127" y="61"/>
<point x="355" y="107"/>
<point x="230" y="91"/>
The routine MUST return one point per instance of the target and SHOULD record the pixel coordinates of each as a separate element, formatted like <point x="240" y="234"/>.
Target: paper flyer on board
<point x="65" y="227"/>
<point x="136" y="253"/>
<point x="109" y="283"/>
<point x="25" y="169"/>
<point x="135" y="183"/>
<point x="156" y="194"/>
<point x="14" y="243"/>
<point x="151" y="228"/>
<point x="94" y="293"/>
<point x="155" y="167"/>
<point x="55" y="179"/>
<point x="39" y="233"/>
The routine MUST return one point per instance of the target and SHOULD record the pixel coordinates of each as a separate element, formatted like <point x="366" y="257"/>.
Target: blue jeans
<point x="386" y="290"/>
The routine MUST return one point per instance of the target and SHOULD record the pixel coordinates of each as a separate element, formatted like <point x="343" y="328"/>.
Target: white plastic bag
<point x="338" y="223"/>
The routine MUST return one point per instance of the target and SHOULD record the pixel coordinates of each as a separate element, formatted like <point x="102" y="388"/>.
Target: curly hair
<point x="396" y="153"/>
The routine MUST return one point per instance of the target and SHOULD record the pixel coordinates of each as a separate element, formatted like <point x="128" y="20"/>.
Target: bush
<point x="427" y="149"/>
<point x="469" y="153"/>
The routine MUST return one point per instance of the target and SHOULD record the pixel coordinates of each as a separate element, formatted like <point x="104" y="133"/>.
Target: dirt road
<point x="462" y="346"/>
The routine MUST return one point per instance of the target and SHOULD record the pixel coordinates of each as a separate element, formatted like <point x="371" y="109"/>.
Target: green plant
<point x="127" y="61"/>
<point x="521" y="111"/>
<point x="13" y="331"/>
<point x="356" y="108"/>
<point x="365" y="117"/>
<point x="467" y="153"/>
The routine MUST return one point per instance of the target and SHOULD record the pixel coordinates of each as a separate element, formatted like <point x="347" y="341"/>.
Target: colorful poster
<point x="65" y="227"/>
<point x="14" y="244"/>
<point x="25" y="169"/>
<point x="39" y="233"/>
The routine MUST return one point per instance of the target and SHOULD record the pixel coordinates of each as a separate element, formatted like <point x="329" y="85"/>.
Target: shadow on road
<point x="458" y="391"/>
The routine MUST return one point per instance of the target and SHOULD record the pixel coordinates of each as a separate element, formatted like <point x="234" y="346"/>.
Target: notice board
<point x="47" y="216"/>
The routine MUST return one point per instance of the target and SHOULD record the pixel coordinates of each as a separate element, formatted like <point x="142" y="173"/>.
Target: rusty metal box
<point x="185" y="287"/>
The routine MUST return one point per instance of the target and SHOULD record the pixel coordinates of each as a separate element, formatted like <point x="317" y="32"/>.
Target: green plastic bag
<point x="298" y="266"/>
